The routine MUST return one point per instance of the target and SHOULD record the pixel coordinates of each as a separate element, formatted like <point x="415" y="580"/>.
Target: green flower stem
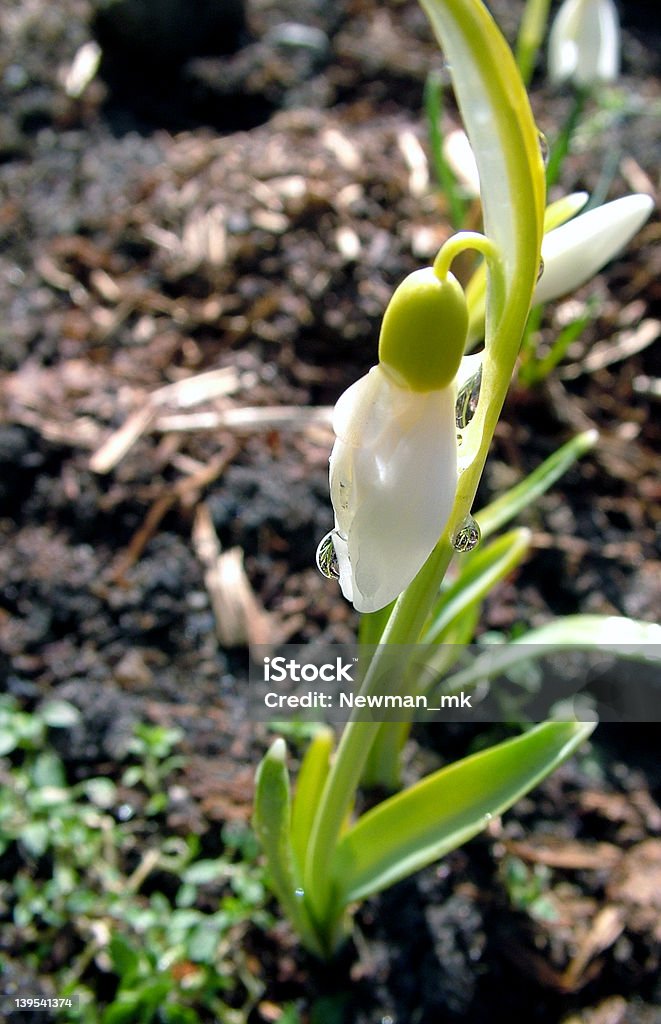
<point x="531" y="33"/>
<point x="562" y="144"/>
<point x="433" y="98"/>
<point x="404" y="627"/>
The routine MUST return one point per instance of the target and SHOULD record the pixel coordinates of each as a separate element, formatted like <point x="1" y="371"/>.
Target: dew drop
<point x="299" y="893"/>
<point x="387" y="1019"/>
<point x="541" y="268"/>
<point x="467" y="399"/>
<point x="467" y="535"/>
<point x="544" y="147"/>
<point x="327" y="562"/>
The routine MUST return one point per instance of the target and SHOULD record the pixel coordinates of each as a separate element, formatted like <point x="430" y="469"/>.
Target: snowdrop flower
<point x="393" y="468"/>
<point x="584" y="43"/>
<point x="577" y="250"/>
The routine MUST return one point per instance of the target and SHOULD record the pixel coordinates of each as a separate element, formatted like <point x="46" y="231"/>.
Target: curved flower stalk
<point x="584" y="43"/>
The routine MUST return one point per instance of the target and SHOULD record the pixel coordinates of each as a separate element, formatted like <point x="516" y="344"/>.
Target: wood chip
<point x="606" y="928"/>
<point x="416" y="162"/>
<point x="118" y="444"/>
<point x="249" y="418"/>
<point x="184" y="393"/>
<point x="240" y="618"/>
<point x="568" y="854"/>
<point x="615" y="350"/>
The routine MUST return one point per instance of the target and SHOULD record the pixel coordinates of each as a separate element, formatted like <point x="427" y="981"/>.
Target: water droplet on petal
<point x="299" y="893"/>
<point x="467" y="399"/>
<point x="466" y="536"/>
<point x="544" y="147"/>
<point x="327" y="562"/>
<point x="541" y="268"/>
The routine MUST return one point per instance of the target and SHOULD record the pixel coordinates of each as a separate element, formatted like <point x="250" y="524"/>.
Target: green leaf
<point x="272" y="822"/>
<point x="123" y="1010"/>
<point x="203" y="941"/>
<point x="508" y="505"/>
<point x="433" y="101"/>
<point x="479" y="573"/>
<point x="59" y="714"/>
<point x="597" y="631"/>
<point x="204" y="871"/>
<point x="35" y="838"/>
<point x="311" y="781"/>
<point x="124" y="957"/>
<point x="623" y="637"/>
<point x="416" y="827"/>
<point x="48" y="771"/>
<point x="536" y="369"/>
<point x="99" y="791"/>
<point x="8" y="741"/>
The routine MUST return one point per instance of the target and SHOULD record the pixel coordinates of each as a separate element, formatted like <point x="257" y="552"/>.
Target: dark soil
<point x="251" y="211"/>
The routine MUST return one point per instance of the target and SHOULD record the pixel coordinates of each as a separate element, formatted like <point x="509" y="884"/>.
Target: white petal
<point x="577" y="250"/>
<point x="393" y="488"/>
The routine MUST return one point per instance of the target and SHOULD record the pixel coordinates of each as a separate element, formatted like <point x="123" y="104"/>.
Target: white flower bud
<point x="584" y="43"/>
<point x="577" y="250"/>
<point x="393" y="476"/>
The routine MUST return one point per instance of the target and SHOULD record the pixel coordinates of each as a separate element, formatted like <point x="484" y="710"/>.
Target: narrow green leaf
<point x="272" y="821"/>
<point x="416" y="827"/>
<point x="311" y="781"/>
<point x="535" y="370"/>
<point x="626" y="638"/>
<point x="504" y="508"/>
<point x="597" y="631"/>
<point x="479" y="573"/>
<point x="433" y="100"/>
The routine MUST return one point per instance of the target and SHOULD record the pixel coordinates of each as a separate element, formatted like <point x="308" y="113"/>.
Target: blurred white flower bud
<point x="584" y="43"/>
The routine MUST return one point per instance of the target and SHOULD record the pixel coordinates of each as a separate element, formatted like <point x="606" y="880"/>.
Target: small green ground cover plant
<point x="136" y="924"/>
